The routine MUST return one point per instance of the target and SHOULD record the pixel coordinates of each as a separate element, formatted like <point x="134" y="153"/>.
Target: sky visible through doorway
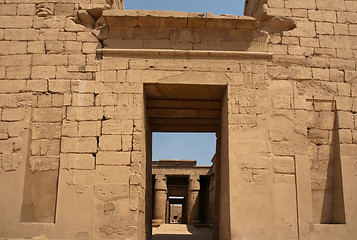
<point x="191" y="146"/>
<point x="234" y="7"/>
<point x="184" y="146"/>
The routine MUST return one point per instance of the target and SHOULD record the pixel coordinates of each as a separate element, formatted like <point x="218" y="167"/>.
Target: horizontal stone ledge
<point x="160" y="18"/>
<point x="185" y="53"/>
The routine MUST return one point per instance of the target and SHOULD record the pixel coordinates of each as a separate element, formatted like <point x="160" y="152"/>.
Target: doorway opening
<point x="199" y="193"/>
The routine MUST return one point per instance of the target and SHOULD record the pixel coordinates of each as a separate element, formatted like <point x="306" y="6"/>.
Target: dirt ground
<point x="181" y="232"/>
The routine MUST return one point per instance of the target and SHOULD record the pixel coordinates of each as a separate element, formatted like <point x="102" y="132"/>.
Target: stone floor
<point x="181" y="232"/>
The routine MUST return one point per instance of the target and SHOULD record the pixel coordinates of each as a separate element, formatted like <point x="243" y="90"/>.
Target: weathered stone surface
<point x="113" y="158"/>
<point x="84" y="87"/>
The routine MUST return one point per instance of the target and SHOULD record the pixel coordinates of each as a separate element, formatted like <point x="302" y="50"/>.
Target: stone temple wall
<point x="75" y="138"/>
<point x="312" y="136"/>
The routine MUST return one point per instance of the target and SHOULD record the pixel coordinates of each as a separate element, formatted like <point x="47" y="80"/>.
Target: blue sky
<point x="184" y="146"/>
<point x="234" y="7"/>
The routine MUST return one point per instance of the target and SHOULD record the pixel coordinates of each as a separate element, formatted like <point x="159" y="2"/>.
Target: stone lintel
<point x="155" y="18"/>
<point x="176" y="163"/>
<point x="184" y="53"/>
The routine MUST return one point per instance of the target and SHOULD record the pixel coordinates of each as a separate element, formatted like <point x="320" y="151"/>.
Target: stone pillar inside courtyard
<point x="160" y="200"/>
<point x="193" y="207"/>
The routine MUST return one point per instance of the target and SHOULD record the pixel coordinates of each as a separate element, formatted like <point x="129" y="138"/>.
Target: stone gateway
<point x="85" y="83"/>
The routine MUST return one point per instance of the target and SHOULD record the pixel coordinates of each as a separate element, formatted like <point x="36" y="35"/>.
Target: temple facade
<point x="85" y="83"/>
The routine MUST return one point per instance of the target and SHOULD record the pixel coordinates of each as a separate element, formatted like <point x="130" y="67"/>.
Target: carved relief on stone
<point x="43" y="10"/>
<point x="90" y="15"/>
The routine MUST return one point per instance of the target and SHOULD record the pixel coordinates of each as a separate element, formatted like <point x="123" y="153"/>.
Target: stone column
<point x="193" y="207"/>
<point x="160" y="189"/>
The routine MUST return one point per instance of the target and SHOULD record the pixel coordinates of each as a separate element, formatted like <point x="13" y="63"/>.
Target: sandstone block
<point x="282" y="102"/>
<point x="19" y="72"/>
<point x="10" y="162"/>
<point x="322" y="16"/>
<point x="304" y="29"/>
<point x="83" y="86"/>
<point x="67" y="36"/>
<point x="21" y="34"/>
<point x="46" y="130"/>
<point x="89" y="128"/>
<point x="326" y="120"/>
<point x="342" y="64"/>
<point x="13" y="114"/>
<point x="89" y="48"/>
<point x="301" y="13"/>
<point x="324" y="28"/>
<point x="322" y="183"/>
<point x="111" y="191"/>
<point x="43" y="163"/>
<point x="340" y="29"/>
<point x="6" y="146"/>
<point x="79" y="145"/>
<point x="331" y="5"/>
<point x="57" y="100"/>
<point x="337" y="75"/>
<point x="345" y="120"/>
<point x="2" y="72"/>
<point x="43" y="72"/>
<point x="64" y="9"/>
<point x="354" y="136"/>
<point x="8" y="9"/>
<point x="345" y="136"/>
<point x="47" y="114"/>
<point x="300" y="4"/>
<point x="331" y="41"/>
<point x="57" y="22"/>
<point x="344" y="89"/>
<point x="16" y="22"/>
<point x="54" y="47"/>
<point x="84" y="113"/>
<point x="110" y="142"/>
<point x="49" y="34"/>
<point x="77" y="60"/>
<point x="343" y="53"/>
<point x="45" y="147"/>
<point x="36" y="47"/>
<point x="3" y="131"/>
<point x="352" y="29"/>
<point x="86" y="37"/>
<point x="72" y="47"/>
<point x="77" y="161"/>
<point x="321" y="74"/>
<point x="13" y="47"/>
<point x="8" y="100"/>
<point x="113" y="158"/>
<point x="124" y="126"/>
<point x="107" y="99"/>
<point x="26" y="9"/>
<point x="127" y="142"/>
<point x="83" y="99"/>
<point x="112" y="174"/>
<point x="73" y="27"/>
<point x="319" y="62"/>
<point x="108" y="76"/>
<point x="61" y="86"/>
<point x="69" y="129"/>
<point x="351" y="6"/>
<point x="16" y="60"/>
<point x="284" y="178"/>
<point x="37" y="85"/>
